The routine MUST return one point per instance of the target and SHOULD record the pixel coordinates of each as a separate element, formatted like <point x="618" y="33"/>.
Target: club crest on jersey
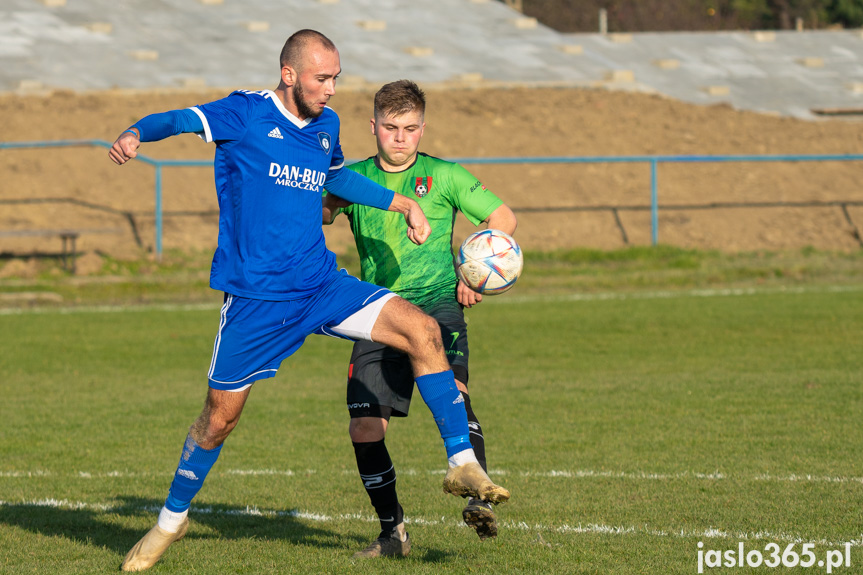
<point x="423" y="186"/>
<point x="324" y="140"/>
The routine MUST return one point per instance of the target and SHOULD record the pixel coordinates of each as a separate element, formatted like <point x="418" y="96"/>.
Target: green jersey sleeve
<point x="469" y="196"/>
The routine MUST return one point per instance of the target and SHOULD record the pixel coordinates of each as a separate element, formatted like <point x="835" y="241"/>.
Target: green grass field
<point x="629" y="424"/>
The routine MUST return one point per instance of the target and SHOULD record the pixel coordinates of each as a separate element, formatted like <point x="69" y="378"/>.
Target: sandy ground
<point x="559" y="205"/>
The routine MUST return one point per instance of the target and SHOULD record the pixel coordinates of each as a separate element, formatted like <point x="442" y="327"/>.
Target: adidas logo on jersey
<point x="275" y="133"/>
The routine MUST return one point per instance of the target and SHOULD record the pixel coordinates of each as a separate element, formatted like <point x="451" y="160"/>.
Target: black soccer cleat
<point x="479" y="515"/>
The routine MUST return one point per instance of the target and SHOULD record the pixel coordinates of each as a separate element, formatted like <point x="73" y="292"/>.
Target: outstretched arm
<point x="153" y="128"/>
<point x="358" y="189"/>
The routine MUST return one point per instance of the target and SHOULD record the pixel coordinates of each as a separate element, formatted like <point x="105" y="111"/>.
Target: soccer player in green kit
<point x="380" y="381"/>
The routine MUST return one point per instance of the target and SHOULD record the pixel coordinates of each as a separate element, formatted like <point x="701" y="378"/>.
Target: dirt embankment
<point x="559" y="205"/>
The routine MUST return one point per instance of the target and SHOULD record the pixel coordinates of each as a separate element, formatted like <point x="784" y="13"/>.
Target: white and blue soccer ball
<point x="489" y="262"/>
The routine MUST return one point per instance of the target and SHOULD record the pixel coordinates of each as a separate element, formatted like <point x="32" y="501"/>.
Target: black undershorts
<point x="380" y="379"/>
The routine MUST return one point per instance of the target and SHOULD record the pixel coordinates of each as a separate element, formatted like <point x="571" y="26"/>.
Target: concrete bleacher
<point x="790" y="73"/>
<point x="143" y="44"/>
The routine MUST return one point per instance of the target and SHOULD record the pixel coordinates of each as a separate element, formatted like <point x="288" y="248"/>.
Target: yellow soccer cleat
<point x="150" y="548"/>
<point x="388" y="544"/>
<point x="469" y="480"/>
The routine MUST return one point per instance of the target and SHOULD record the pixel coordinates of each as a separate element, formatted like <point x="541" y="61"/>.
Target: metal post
<point x="654" y="203"/>
<point x="158" y="211"/>
<point x="65" y="239"/>
<point x="603" y="21"/>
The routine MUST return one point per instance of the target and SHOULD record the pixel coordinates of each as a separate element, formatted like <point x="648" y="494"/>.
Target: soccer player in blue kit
<point x="275" y="151"/>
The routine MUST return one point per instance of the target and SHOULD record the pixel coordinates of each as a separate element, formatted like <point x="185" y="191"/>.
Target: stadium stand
<point x="177" y="44"/>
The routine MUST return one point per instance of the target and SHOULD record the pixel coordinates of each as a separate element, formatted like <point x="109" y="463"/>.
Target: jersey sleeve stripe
<point x="207" y="136"/>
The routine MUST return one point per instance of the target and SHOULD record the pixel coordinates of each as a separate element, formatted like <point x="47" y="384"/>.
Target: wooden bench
<point x="68" y="236"/>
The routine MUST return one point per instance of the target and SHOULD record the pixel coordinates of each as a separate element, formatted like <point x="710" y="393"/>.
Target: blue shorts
<point x="255" y="336"/>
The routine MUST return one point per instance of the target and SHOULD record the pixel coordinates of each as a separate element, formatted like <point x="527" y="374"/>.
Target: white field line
<point x="672" y="294"/>
<point x="509" y="299"/>
<point x="554" y="474"/>
<point x="581" y="528"/>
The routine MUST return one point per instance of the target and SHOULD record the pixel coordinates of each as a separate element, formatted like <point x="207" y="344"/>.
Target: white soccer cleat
<point x="150" y="548"/>
<point x="470" y="480"/>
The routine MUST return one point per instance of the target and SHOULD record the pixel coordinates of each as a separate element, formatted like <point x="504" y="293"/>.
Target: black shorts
<point x="380" y="379"/>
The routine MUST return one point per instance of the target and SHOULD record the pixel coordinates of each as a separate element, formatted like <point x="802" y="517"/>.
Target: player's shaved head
<point x="298" y="43"/>
<point x="400" y="97"/>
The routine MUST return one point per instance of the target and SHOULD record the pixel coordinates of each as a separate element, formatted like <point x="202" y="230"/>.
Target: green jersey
<point x="424" y="274"/>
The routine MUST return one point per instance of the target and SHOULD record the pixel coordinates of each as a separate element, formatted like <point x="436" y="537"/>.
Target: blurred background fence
<point x="652" y="203"/>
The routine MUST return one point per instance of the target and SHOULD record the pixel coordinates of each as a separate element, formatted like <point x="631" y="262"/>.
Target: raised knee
<point x="429" y="333"/>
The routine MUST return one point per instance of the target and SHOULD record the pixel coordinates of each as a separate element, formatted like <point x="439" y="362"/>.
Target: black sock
<point x="379" y="478"/>
<point x="476" y="438"/>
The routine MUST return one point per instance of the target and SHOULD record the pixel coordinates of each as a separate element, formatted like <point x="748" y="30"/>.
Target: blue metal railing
<point x="157" y="165"/>
<point x="653" y="161"/>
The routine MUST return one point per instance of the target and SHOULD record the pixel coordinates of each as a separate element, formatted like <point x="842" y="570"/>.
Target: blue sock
<point x="444" y="400"/>
<point x="195" y="464"/>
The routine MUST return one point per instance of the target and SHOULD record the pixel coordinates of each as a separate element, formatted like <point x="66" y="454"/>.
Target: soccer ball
<point x="489" y="262"/>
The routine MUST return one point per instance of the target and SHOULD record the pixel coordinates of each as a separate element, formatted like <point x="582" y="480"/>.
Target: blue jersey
<point x="270" y="168"/>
